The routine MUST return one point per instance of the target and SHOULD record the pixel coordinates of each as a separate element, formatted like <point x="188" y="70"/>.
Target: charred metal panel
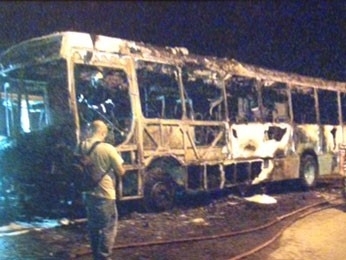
<point x="325" y="162"/>
<point x="307" y="137"/>
<point x="260" y="140"/>
<point x="330" y="141"/>
<point x="179" y="140"/>
<point x="267" y="141"/>
<point x="285" y="168"/>
<point x="162" y="136"/>
<point x="332" y="138"/>
<point x="212" y="154"/>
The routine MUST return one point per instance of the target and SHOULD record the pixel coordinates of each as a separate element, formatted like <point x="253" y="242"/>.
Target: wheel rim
<point x="309" y="173"/>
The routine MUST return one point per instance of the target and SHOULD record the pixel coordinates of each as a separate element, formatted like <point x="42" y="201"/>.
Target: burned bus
<point x="182" y="122"/>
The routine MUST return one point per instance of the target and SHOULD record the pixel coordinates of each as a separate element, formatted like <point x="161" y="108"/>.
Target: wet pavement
<point x="21" y="242"/>
<point x="319" y="236"/>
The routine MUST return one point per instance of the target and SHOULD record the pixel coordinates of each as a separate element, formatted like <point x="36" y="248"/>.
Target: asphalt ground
<point x="320" y="236"/>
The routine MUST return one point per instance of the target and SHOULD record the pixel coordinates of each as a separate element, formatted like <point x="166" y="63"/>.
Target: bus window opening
<point x="275" y="103"/>
<point x="103" y="93"/>
<point x="242" y="100"/>
<point x="159" y="90"/>
<point x="303" y="102"/>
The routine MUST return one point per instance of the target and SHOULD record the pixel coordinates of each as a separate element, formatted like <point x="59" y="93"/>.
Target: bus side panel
<point x="257" y="140"/>
<point x="332" y="138"/>
<point x="286" y="168"/>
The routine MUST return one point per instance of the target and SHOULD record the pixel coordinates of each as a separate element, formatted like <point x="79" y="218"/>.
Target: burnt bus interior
<point x="250" y="100"/>
<point x="275" y="103"/>
<point x="242" y="99"/>
<point x="33" y="98"/>
<point x="198" y="99"/>
<point x="245" y="94"/>
<point x="159" y="90"/>
<point x="103" y="93"/>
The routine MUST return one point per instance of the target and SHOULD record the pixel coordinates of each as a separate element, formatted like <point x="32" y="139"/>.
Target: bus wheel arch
<point x="161" y="181"/>
<point x="308" y="170"/>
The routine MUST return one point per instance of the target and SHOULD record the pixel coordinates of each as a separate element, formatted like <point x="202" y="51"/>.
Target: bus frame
<point x="212" y="123"/>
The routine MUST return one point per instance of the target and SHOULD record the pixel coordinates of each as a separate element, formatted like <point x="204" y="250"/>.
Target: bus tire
<point x="159" y="192"/>
<point x="308" y="172"/>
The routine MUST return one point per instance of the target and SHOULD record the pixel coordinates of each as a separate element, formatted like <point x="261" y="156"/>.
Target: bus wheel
<point x="159" y="193"/>
<point x="308" y="171"/>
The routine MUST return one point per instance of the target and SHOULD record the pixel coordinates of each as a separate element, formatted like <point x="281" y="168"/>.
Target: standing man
<point x="100" y="203"/>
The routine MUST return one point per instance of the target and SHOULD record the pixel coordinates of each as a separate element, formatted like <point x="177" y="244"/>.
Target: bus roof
<point x="58" y="45"/>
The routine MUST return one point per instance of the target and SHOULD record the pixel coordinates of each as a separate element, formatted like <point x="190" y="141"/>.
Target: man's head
<point x="99" y="129"/>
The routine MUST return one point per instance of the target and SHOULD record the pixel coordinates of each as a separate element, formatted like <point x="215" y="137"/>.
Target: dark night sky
<point x="306" y="37"/>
